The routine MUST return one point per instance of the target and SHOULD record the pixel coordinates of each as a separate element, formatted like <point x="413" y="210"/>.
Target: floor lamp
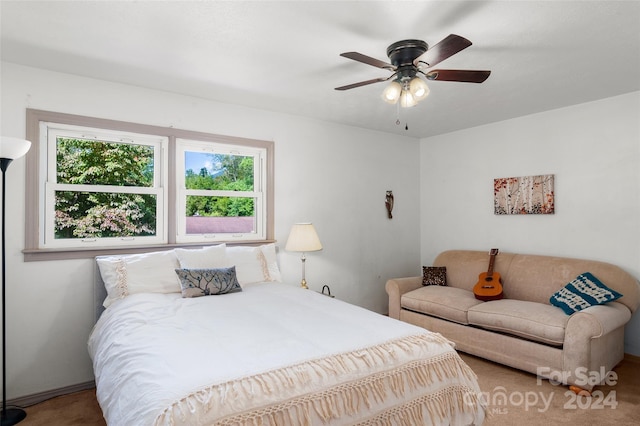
<point x="10" y="149"/>
<point x="303" y="238"/>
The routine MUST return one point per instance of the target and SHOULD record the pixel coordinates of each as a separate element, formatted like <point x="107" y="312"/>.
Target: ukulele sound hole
<point x="488" y="279"/>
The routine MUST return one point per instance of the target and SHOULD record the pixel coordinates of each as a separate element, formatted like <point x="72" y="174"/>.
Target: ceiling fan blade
<point x="362" y="83"/>
<point x="447" y="47"/>
<point x="367" y="60"/>
<point x="458" y="75"/>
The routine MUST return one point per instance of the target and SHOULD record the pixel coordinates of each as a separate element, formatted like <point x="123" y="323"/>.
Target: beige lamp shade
<point x="303" y="237"/>
<point x="12" y="148"/>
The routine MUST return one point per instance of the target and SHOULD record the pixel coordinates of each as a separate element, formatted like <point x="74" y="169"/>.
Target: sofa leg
<point x="579" y="391"/>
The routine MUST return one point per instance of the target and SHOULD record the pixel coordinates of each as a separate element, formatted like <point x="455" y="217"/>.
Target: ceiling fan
<point x="411" y="58"/>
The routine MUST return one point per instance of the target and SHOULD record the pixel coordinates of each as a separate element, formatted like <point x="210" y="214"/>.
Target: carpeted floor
<point x="541" y="403"/>
<point x="514" y="398"/>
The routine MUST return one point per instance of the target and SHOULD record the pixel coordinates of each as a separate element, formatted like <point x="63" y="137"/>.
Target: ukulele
<point x="489" y="285"/>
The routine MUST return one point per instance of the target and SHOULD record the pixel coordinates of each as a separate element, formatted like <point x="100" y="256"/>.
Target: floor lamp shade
<point x="303" y="238"/>
<point x="10" y="149"/>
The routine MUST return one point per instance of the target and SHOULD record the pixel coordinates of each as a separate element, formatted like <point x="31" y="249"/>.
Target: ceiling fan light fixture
<point x="392" y="92"/>
<point x="407" y="100"/>
<point x="411" y="59"/>
<point x="418" y="88"/>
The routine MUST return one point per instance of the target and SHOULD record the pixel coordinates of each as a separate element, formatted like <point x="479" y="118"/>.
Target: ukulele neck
<point x="492" y="258"/>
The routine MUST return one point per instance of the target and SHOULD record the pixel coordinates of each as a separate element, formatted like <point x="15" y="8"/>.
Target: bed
<point x="262" y="353"/>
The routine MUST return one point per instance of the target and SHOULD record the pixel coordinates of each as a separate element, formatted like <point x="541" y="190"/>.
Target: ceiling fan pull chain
<point x="406" y="125"/>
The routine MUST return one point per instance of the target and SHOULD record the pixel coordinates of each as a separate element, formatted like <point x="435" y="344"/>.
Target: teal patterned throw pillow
<point x="584" y="291"/>
<point x="207" y="282"/>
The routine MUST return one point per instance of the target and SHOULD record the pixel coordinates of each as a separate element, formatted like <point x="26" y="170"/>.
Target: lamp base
<point x="303" y="284"/>
<point x="11" y="416"/>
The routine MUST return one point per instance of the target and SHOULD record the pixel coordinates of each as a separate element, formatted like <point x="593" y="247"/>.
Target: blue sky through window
<point x="197" y="160"/>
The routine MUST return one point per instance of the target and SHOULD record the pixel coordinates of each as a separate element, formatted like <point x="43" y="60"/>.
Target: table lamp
<point x="303" y="238"/>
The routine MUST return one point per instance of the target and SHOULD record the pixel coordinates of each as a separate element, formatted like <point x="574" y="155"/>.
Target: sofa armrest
<point x="596" y="321"/>
<point x="396" y="287"/>
<point x="584" y="326"/>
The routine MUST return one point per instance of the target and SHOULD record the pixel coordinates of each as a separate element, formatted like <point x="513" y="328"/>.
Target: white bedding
<point x="273" y="354"/>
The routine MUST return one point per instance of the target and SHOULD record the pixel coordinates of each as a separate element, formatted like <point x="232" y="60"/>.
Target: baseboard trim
<point x="39" y="397"/>
<point x="629" y="357"/>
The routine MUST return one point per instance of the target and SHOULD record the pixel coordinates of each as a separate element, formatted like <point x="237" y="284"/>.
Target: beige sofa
<point x="523" y="330"/>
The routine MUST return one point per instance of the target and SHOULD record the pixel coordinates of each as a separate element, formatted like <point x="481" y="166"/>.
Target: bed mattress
<point x="273" y="354"/>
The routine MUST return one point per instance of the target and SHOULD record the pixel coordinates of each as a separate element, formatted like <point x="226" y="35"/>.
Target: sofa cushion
<point x="444" y="302"/>
<point x="534" y="321"/>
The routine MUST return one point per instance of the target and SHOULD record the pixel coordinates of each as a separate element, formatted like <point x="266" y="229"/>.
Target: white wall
<point x="336" y="177"/>
<point x="593" y="150"/>
<point x="332" y="175"/>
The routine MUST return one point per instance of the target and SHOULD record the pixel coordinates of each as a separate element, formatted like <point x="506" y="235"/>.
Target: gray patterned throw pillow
<point x="208" y="282"/>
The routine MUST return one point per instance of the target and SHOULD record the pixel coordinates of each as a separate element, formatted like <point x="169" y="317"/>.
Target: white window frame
<point x="38" y="169"/>
<point x="259" y="180"/>
<point x="49" y="132"/>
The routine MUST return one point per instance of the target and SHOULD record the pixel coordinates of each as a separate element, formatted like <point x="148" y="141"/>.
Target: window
<point x="98" y="186"/>
<point x="102" y="188"/>
<point x="220" y="194"/>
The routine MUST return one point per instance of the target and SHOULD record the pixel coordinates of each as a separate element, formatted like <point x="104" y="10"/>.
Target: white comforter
<point x="163" y="359"/>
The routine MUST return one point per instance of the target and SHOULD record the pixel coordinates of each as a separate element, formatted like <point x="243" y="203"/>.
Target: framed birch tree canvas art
<point x="523" y="195"/>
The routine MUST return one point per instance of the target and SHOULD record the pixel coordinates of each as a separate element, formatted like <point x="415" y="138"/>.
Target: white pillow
<point x="203" y="258"/>
<point x="251" y="264"/>
<point x="139" y="273"/>
<point x="269" y="251"/>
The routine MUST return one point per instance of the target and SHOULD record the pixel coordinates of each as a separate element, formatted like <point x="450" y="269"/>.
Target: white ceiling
<point x="284" y="56"/>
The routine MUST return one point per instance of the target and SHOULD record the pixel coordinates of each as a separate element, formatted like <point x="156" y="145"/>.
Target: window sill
<point x="37" y="255"/>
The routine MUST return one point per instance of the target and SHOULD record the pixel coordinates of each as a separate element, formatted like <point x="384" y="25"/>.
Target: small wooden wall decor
<point x="523" y="195"/>
<point x="388" y="202"/>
